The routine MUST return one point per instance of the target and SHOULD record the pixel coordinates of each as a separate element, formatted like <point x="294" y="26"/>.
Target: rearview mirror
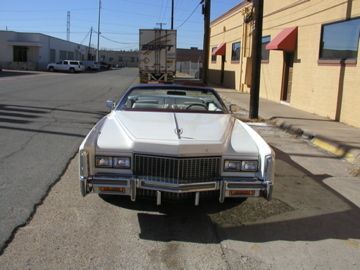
<point x="110" y="104"/>
<point x="234" y="108"/>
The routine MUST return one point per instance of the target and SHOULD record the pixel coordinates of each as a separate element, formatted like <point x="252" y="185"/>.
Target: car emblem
<point x="178" y="131"/>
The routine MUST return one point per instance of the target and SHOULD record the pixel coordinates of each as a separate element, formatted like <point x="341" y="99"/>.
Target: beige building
<point x="310" y="56"/>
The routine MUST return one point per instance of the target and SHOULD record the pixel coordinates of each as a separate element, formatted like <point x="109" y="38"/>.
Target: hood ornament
<point x="178" y="130"/>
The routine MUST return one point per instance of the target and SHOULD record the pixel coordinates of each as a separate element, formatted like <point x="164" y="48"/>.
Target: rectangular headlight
<point x="240" y="165"/>
<point x="249" y="165"/>
<point x="121" y="162"/>
<point x="112" y="162"/>
<point x="232" y="165"/>
<point x="103" y="162"/>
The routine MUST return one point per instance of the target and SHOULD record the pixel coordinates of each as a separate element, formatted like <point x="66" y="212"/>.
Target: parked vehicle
<point x="104" y="66"/>
<point x="91" y="65"/>
<point x="157" y="55"/>
<point x="172" y="139"/>
<point x="67" y="65"/>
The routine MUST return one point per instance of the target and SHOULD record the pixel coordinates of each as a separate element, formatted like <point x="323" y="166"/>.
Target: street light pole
<point x="206" y="42"/>
<point x="98" y="34"/>
<point x="256" y="59"/>
<point x="172" y="14"/>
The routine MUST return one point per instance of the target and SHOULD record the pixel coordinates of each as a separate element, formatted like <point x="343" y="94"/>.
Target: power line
<point x="192" y="13"/>
<point x="118" y="42"/>
<point x="87" y="34"/>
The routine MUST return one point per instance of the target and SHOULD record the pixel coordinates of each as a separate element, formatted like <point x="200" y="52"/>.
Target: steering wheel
<point x="198" y="105"/>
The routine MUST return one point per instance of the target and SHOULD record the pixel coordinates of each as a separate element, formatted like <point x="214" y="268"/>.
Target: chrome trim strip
<point x="133" y="190"/>
<point x="158" y="198"/>
<point x="178" y="188"/>
<point x="197" y="198"/>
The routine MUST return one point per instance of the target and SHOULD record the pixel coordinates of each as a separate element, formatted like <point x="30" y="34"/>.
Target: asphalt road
<point x="311" y="223"/>
<point x="43" y="119"/>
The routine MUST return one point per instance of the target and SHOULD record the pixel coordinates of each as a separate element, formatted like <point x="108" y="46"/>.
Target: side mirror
<point x="234" y="108"/>
<point x="110" y="104"/>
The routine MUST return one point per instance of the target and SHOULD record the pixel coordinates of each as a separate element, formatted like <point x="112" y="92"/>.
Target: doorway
<point x="287" y="77"/>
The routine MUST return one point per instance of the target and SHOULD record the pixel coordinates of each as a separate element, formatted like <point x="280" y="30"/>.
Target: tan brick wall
<point x="315" y="87"/>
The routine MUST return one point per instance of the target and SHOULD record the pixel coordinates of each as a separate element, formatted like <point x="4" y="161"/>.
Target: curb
<point x="337" y="149"/>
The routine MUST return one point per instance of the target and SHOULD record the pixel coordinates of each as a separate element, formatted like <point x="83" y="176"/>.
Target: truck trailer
<point x="157" y="55"/>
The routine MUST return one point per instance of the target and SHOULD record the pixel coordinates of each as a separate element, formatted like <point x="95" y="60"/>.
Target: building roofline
<point x="230" y="12"/>
<point x="37" y="33"/>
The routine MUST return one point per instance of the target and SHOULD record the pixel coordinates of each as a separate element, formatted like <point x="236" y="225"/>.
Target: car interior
<point x="172" y="100"/>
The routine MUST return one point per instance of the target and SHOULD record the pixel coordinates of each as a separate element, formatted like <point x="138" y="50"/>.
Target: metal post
<point x="98" y="33"/>
<point x="206" y="45"/>
<point x="172" y="14"/>
<point x="256" y="59"/>
<point x="88" y="56"/>
<point x="68" y="26"/>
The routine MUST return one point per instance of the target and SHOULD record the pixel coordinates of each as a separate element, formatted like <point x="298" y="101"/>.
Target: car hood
<point x="168" y="133"/>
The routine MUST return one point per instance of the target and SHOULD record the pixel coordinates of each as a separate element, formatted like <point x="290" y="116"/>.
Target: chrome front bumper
<point x="128" y="185"/>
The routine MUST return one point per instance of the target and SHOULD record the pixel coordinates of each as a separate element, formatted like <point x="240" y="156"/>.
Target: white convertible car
<point x="174" y="141"/>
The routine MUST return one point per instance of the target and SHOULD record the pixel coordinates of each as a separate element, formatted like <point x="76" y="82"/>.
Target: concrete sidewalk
<point x="335" y="137"/>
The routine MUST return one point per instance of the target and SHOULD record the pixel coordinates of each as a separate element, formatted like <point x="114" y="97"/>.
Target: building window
<point x="111" y="59"/>
<point x="63" y="55"/>
<point x="213" y="57"/>
<point x="235" y="52"/>
<point x="71" y="55"/>
<point x="120" y="59"/>
<point x="20" y="54"/>
<point x="52" y="55"/>
<point x="340" y="40"/>
<point x="132" y="59"/>
<point x="264" y="52"/>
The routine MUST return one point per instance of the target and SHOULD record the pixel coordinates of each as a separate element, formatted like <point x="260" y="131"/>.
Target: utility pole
<point x="88" y="57"/>
<point x="98" y="34"/>
<point x="206" y="42"/>
<point x="258" y="5"/>
<point x="172" y="14"/>
<point x="161" y="25"/>
<point x="68" y="26"/>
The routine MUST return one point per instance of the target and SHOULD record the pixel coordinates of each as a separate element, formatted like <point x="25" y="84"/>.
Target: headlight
<point x="241" y="165"/>
<point x="103" y="162"/>
<point x="112" y="162"/>
<point x="121" y="162"/>
<point x="232" y="165"/>
<point x="249" y="165"/>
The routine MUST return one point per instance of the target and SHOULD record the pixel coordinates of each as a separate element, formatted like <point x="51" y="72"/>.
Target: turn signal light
<point x="116" y="189"/>
<point x="242" y="192"/>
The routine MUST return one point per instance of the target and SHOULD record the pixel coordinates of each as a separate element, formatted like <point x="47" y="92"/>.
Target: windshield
<point x="179" y="100"/>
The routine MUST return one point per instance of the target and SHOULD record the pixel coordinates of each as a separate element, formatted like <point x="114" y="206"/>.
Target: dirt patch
<point x="250" y="211"/>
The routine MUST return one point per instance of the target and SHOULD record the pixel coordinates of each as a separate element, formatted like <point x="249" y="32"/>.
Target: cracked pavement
<point x="43" y="118"/>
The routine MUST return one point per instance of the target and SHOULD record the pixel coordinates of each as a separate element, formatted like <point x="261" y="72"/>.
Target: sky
<point x="120" y="19"/>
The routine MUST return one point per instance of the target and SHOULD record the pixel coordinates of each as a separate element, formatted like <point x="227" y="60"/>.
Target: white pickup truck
<point x="157" y="55"/>
<point x="66" y="65"/>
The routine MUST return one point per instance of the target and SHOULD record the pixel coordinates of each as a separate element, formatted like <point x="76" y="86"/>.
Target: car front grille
<point x="177" y="170"/>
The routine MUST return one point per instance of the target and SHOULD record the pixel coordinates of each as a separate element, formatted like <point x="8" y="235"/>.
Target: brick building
<point x="310" y="56"/>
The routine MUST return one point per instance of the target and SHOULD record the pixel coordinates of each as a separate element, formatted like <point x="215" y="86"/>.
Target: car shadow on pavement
<point x="175" y="220"/>
<point x="294" y="214"/>
<point x="11" y="73"/>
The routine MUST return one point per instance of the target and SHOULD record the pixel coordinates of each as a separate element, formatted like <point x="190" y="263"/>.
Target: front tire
<point x="72" y="70"/>
<point x="51" y="69"/>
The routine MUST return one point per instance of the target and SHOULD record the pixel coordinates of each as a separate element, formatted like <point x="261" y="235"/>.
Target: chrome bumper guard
<point x="127" y="185"/>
